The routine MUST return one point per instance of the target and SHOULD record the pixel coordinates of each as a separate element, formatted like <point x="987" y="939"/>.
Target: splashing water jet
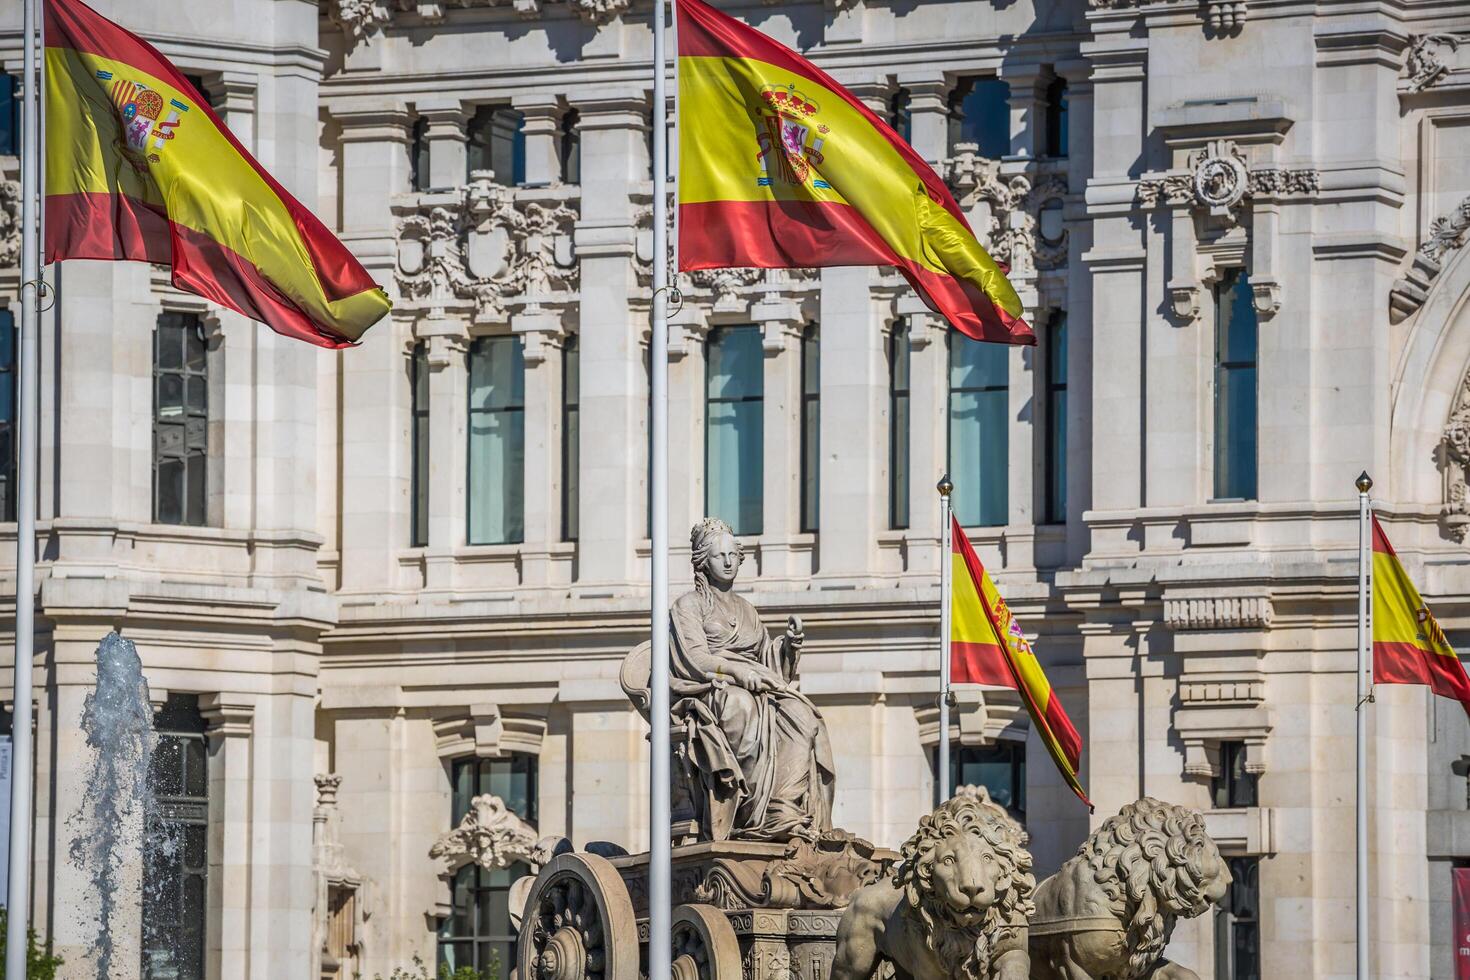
<point x="110" y="825"/>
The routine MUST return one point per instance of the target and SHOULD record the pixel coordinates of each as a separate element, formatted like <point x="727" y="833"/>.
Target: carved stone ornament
<point x="1426" y="62"/>
<point x="359" y="19"/>
<point x="1010" y="222"/>
<point x="1220" y="176"/>
<point x="487" y="248"/>
<point x="1134" y="877"/>
<point x="362" y="20"/>
<point x="489" y="836"/>
<point x="1219" y="179"/>
<point x="818" y="874"/>
<point x="1447" y="235"/>
<point x="1455" y="455"/>
<point x="1217" y="612"/>
<point x="1222" y="17"/>
<point x="9" y="223"/>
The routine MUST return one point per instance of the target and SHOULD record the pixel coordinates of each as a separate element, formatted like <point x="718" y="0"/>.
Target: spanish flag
<point x="139" y="168"/>
<point x="781" y="167"/>
<point x="978" y="620"/>
<point x="1408" y="645"/>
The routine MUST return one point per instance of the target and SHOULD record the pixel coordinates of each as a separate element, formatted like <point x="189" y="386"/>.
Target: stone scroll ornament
<point x="1110" y="909"/>
<point x="956" y="905"/>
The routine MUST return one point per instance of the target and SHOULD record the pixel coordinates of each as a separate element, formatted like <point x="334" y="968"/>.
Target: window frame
<point x="1003" y="353"/>
<point x="1057" y="119"/>
<point x="811" y="429"/>
<point x="899" y="344"/>
<point x="190" y="455"/>
<point x="178" y="725"/>
<point x="1014" y="751"/>
<point x="9" y="431"/>
<point x="480" y="141"/>
<point x="571" y="438"/>
<point x="715" y="336"/>
<point x="515" y="411"/>
<point x="1238" y="916"/>
<point x="420" y="423"/>
<point x="1234" y="787"/>
<point x="1054" y="474"/>
<point x="1232" y="294"/>
<point x="986" y="141"/>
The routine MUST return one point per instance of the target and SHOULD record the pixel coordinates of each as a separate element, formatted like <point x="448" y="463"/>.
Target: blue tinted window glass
<point x="980" y="112"/>
<point x="979" y="440"/>
<point x="734" y="423"/>
<point x="1236" y="329"/>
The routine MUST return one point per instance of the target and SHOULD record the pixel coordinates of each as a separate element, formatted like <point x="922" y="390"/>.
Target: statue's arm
<point x="688" y="629"/>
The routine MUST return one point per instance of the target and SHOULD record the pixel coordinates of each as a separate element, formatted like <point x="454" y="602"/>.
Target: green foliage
<point x="421" y="972"/>
<point x="40" y="964"/>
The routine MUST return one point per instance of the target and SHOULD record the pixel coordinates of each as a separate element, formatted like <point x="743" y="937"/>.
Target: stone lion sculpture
<point x="955" y="906"/>
<point x="1109" y="911"/>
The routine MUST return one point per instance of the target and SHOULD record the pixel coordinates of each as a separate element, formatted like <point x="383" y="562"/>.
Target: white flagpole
<point x="1365" y="697"/>
<point x="17" y="899"/>
<point x="946" y="566"/>
<point x="660" y="904"/>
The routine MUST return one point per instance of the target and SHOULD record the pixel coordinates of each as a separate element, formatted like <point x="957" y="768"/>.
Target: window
<point x="9" y="116"/>
<point x="497" y="455"/>
<point x="1237" y="923"/>
<point x="811" y="421"/>
<point x="734" y="418"/>
<point x="980" y="112"/>
<point x="419" y="437"/>
<point x="497" y="142"/>
<point x="571" y="438"/>
<point x="202" y="89"/>
<point x="9" y="341"/>
<point x="1056" y="118"/>
<point x="418" y="156"/>
<point x="1234" y="787"/>
<point x="175" y="860"/>
<point x="898" y="426"/>
<point x="1235" y="388"/>
<point x="899" y="115"/>
<point x="477" y="933"/>
<point x="1056" y="418"/>
<point x="180" y="419"/>
<point x="979" y="393"/>
<point x="570" y="147"/>
<point x="1000" y="768"/>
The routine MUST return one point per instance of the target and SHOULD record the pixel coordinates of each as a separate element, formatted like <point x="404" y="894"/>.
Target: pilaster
<point x="928" y="112"/>
<point x="544" y="338"/>
<point x="1027" y="84"/>
<point x="231" y="721"/>
<point x="445" y="134"/>
<point x="541" y="128"/>
<point x="928" y="427"/>
<point x="233" y="96"/>
<point x="781" y="323"/>
<point x="448" y="343"/>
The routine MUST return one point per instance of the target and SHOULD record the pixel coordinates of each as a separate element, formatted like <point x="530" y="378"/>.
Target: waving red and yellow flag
<point x="1408" y="645"/>
<point x="987" y="646"/>
<point x="781" y="167"/>
<point x="139" y="168"/>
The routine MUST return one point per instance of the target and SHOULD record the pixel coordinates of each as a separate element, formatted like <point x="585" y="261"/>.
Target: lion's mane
<point x="969" y="944"/>
<point x="1153" y="861"/>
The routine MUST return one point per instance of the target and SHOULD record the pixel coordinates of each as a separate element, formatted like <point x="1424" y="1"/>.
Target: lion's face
<point x="963" y="875"/>
<point x="1217" y="880"/>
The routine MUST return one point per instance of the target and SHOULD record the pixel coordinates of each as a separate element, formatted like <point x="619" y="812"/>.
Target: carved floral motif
<point x="1447" y="234"/>
<point x="489" y="836"/>
<point x="362" y="20"/>
<point x="1425" y="63"/>
<point x="1011" y="229"/>
<point x="1220" y="179"/>
<point x="1455" y="454"/>
<point x="9" y="223"/>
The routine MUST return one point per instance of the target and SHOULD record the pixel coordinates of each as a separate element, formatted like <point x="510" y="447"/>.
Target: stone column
<point x="781" y="323"/>
<point x="233" y="96"/>
<point x="227" y="946"/>
<point x="447" y="341"/>
<point x="1079" y="315"/>
<point x="928" y="112"/>
<point x="614" y="386"/>
<point x="1021" y="475"/>
<point x="542" y="129"/>
<point x="445" y="134"/>
<point x="544" y="339"/>
<point x="1028" y="108"/>
<point x="928" y="428"/>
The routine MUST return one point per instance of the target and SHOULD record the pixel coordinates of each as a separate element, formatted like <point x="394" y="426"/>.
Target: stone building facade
<point x="371" y="586"/>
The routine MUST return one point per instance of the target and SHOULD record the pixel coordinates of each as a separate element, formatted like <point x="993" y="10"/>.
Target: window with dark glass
<point x="1235" y="388"/>
<point x="1000" y="768"/>
<point x="900" y="117"/>
<point x="1238" y="924"/>
<point x="1056" y="418"/>
<point x="497" y="435"/>
<point x="478" y="933"/>
<point x="979" y="438"/>
<point x="9" y="115"/>
<point x="1234" y="786"/>
<point x="496" y="141"/>
<point x="175" y="858"/>
<point x="418" y="155"/>
<point x="980" y="112"/>
<point x="734" y="422"/>
<point x="419" y="448"/>
<point x="571" y="438"/>
<point x="198" y="82"/>
<point x="9" y="340"/>
<point x="1056" y="118"/>
<point x="811" y="421"/>
<point x="180" y="419"/>
<point x="898" y="426"/>
<point x="570" y="147"/>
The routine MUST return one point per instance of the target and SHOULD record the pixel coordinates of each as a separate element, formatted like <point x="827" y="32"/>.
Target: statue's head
<point x="715" y="553"/>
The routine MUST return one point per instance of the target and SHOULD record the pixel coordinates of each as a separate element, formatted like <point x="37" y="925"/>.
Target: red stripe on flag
<point x="117" y="227"/>
<point x="1380" y="540"/>
<point x="73" y="24"/>
<point x="979" y="663"/>
<point x="1405" y="663"/>
<point x="1067" y="738"/>
<point x="783" y="234"/>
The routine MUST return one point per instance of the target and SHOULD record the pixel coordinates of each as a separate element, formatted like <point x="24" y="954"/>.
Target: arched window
<point x="477" y="932"/>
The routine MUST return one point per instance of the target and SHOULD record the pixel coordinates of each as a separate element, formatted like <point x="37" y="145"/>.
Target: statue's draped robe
<point x="765" y="754"/>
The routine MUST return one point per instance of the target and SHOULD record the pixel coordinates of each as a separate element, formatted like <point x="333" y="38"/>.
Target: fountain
<point x="110" y="826"/>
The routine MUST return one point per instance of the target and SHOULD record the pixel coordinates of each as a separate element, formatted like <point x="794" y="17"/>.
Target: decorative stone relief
<point x="362" y="20"/>
<point x="333" y="875"/>
<point x="489" y="836"/>
<point x="1220" y="180"/>
<point x="1010" y="207"/>
<point x="1217" y="612"/>
<point x="1426" y="62"/>
<point x="9" y="223"/>
<point x="1447" y="234"/>
<point x="1222" y="17"/>
<point x="359" y="19"/>
<point x="1455" y="451"/>
<point x="485" y="247"/>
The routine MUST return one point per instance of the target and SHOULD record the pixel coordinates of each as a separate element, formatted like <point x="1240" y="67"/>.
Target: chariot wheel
<point x="578" y="923"/>
<point x="705" y="947"/>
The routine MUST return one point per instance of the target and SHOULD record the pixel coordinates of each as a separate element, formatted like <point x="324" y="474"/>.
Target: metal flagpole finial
<point x="1364" y="482"/>
<point x="944" y="487"/>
